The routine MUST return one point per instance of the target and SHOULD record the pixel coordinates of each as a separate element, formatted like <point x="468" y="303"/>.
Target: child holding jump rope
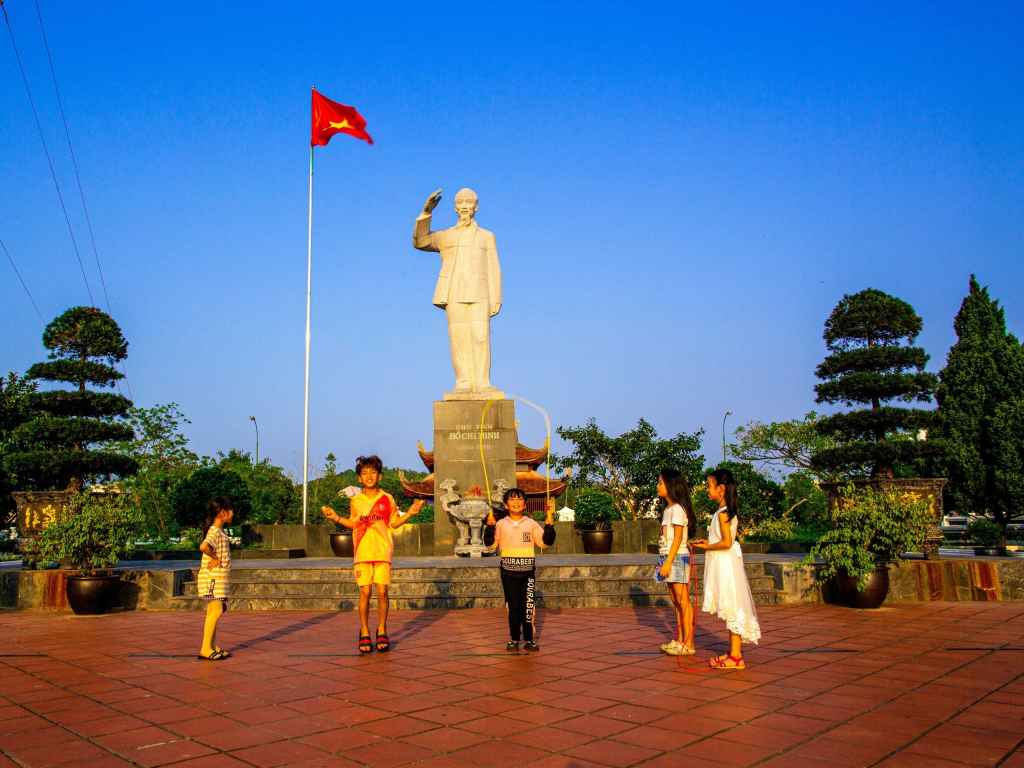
<point x="677" y="522"/>
<point x="726" y="591"/>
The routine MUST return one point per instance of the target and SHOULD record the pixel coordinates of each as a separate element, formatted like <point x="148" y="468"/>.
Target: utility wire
<point x="47" y="151"/>
<point x="22" y="282"/>
<point x="74" y="163"/>
<point x="78" y="178"/>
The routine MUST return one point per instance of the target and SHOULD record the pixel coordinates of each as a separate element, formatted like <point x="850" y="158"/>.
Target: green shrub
<point x="984" y="533"/>
<point x="93" y="531"/>
<point x="869" y="526"/>
<point x="190" y="497"/>
<point x="595" y="510"/>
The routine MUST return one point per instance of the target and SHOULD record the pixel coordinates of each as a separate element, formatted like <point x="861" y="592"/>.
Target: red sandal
<point x="365" y="644"/>
<point x="724" y="664"/>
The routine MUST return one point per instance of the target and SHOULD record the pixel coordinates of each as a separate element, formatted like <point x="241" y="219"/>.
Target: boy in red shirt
<point x="515" y="537"/>
<point x="373" y="514"/>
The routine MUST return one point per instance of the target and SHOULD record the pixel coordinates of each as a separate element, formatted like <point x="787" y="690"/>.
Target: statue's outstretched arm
<point x="422" y="237"/>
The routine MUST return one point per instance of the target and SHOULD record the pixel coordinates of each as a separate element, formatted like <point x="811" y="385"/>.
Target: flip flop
<point x="383" y="644"/>
<point x="365" y="644"/>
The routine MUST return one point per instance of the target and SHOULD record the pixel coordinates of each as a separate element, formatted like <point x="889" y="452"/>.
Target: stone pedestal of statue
<point x="457" y="464"/>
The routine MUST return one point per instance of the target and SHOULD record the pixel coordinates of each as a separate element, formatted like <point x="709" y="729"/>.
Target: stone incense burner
<point x="469" y="513"/>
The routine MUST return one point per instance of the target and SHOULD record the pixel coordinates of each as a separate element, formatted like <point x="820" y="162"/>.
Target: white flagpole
<point x="309" y="278"/>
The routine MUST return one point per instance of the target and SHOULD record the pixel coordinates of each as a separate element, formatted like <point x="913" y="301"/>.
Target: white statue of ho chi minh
<point x="468" y="290"/>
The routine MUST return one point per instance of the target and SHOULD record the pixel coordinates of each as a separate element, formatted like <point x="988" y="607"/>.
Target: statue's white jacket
<point x="470" y="272"/>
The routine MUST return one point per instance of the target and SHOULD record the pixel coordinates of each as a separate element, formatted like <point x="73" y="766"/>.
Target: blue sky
<point x="680" y="195"/>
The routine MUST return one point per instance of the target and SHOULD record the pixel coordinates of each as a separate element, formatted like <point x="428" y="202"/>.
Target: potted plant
<point x="986" y="537"/>
<point x="594" y="514"/>
<point x="71" y="433"/>
<point x="874" y="368"/>
<point x="870" y="528"/>
<point x="93" y="532"/>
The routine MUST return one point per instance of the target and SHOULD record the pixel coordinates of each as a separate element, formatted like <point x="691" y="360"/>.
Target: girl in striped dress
<point x="215" y="574"/>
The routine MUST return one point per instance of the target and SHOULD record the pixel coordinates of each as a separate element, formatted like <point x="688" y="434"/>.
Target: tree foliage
<point x="595" y="509"/>
<point x="13" y="413"/>
<point x="164" y="460"/>
<point x="981" y="404"/>
<point x="628" y="466"/>
<point x="190" y="497"/>
<point x="787" y="444"/>
<point x="274" y="497"/>
<point x="54" y="448"/>
<point x="867" y="367"/>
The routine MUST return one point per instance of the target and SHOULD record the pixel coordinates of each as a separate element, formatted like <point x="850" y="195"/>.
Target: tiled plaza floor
<point x="936" y="684"/>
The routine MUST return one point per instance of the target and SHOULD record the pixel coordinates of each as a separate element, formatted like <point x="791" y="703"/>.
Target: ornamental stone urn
<point x="470" y="513"/>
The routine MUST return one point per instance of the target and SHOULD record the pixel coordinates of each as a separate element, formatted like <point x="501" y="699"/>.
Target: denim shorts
<point x="680" y="573"/>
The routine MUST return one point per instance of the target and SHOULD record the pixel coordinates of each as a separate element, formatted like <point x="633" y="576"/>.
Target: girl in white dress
<point x="726" y="591"/>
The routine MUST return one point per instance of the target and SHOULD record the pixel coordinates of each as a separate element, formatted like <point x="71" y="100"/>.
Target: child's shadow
<point x="414" y="627"/>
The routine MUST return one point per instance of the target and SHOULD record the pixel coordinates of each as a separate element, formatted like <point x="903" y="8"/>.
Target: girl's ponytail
<point x="679" y="493"/>
<point x="732" y="495"/>
<point x="217" y="505"/>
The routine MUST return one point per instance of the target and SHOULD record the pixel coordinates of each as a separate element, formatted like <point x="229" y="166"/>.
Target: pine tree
<point x="54" y="447"/>
<point x="981" y="404"/>
<point x="870" y="368"/>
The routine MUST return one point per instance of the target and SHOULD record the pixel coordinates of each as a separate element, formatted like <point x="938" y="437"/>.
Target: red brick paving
<point x="909" y="686"/>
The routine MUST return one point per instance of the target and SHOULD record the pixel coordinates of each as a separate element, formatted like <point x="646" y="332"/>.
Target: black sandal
<point x="383" y="644"/>
<point x="215" y="656"/>
<point x="365" y="645"/>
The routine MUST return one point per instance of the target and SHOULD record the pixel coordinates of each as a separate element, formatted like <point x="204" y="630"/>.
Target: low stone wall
<point x="921" y="581"/>
<point x="44" y="590"/>
<point x="314" y="539"/>
<point x="628" y="537"/>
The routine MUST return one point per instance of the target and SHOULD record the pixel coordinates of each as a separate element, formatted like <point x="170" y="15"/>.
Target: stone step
<point x="402" y="586"/>
<point x="488" y="569"/>
<point x="278" y="602"/>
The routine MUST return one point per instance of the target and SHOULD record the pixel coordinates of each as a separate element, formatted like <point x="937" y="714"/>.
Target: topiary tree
<point x="190" y="497"/>
<point x="981" y="404"/>
<point x="869" y="367"/>
<point x="55" y="447"/>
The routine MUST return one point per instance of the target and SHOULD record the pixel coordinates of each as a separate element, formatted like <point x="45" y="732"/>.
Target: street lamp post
<point x="727" y="415"/>
<point x="253" y="420"/>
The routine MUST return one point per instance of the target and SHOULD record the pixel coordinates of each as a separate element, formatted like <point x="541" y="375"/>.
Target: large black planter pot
<point x="341" y="544"/>
<point x="871" y="596"/>
<point x="90" y="595"/>
<point x="990" y="551"/>
<point x="597" y="542"/>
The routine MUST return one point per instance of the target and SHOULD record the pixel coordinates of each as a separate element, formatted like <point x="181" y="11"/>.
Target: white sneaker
<point x="672" y="649"/>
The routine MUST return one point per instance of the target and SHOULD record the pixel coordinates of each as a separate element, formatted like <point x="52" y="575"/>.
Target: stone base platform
<point x="564" y="581"/>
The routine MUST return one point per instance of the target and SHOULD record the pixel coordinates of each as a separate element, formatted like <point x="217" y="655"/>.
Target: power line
<point x="74" y="163"/>
<point x="53" y="173"/>
<point x="81" y="192"/>
<point x="22" y="282"/>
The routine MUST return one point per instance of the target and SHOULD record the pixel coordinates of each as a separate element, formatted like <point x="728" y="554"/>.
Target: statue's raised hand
<point x="431" y="204"/>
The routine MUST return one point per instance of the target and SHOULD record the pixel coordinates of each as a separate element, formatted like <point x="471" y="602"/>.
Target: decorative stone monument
<point x="469" y="291"/>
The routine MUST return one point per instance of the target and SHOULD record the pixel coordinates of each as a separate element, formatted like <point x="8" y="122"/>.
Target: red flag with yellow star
<point x="330" y="117"/>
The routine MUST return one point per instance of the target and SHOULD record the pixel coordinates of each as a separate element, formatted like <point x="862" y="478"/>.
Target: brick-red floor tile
<point x="594" y="696"/>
